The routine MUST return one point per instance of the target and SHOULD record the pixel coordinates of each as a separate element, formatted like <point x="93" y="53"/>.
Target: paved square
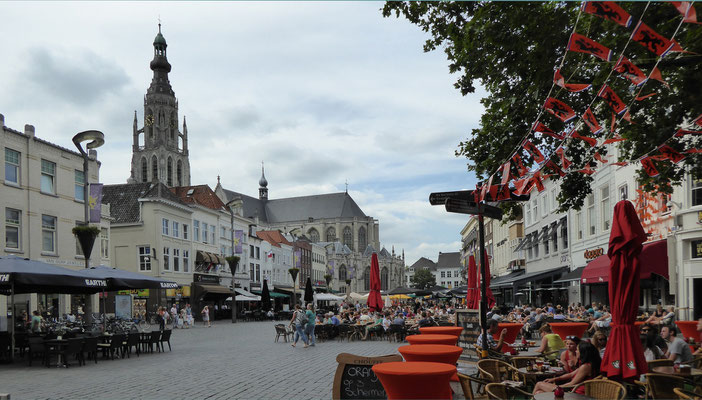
<point x="222" y="362"/>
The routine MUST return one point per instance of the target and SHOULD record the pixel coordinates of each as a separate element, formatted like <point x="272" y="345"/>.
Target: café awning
<point x="574" y="275"/>
<point x="653" y="257"/>
<point x="218" y="289"/>
<point x="529" y="277"/>
<point x="31" y="276"/>
<point x="207" y="257"/>
<point x="524" y="244"/>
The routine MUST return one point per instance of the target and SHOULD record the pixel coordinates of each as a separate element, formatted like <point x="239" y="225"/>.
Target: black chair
<point x="37" y="349"/>
<point x="117" y="345"/>
<point x="90" y="346"/>
<point x="73" y="348"/>
<point x="344" y="332"/>
<point x="153" y="340"/>
<point x="166" y="337"/>
<point x="281" y="331"/>
<point x="5" y="343"/>
<point x="21" y="342"/>
<point x="132" y="341"/>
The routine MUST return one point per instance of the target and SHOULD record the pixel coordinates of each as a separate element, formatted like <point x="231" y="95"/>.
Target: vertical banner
<point x="297" y="261"/>
<point x="238" y="237"/>
<point x="95" y="201"/>
<point x="330" y="268"/>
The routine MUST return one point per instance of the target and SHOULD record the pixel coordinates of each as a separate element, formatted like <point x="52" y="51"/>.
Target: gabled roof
<point x="424" y="263"/>
<point x="449" y="260"/>
<point x="384" y="253"/>
<point x="252" y="206"/>
<point x="275" y="238"/>
<point x="335" y="247"/>
<point x="199" y="194"/>
<point x="368" y="251"/>
<point x="124" y="199"/>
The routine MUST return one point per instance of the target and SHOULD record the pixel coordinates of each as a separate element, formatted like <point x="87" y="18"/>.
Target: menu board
<point x="355" y="379"/>
<point x="470" y="321"/>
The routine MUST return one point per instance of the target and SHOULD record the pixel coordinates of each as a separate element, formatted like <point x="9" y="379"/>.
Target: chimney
<point x="29" y="130"/>
<point x="2" y="120"/>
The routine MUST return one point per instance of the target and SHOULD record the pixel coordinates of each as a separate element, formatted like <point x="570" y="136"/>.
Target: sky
<point x="323" y="92"/>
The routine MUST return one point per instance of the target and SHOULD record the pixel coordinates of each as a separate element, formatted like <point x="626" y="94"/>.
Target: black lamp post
<point x="293" y="272"/>
<point x="233" y="260"/>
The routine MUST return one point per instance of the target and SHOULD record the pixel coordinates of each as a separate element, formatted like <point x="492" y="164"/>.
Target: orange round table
<point x="442" y="330"/>
<point x="440" y="353"/>
<point x="688" y="329"/>
<point x="639" y="323"/>
<point x="432" y="339"/>
<point x="511" y="335"/>
<point x="415" y="379"/>
<point x="564" y="329"/>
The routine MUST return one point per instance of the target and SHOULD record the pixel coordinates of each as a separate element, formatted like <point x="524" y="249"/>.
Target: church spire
<point x="263" y="185"/>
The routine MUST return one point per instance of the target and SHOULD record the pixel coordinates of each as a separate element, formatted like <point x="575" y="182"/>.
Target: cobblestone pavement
<point x="222" y="362"/>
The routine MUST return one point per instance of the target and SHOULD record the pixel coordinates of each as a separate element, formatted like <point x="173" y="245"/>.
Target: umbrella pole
<point x="12" y="321"/>
<point x="483" y="294"/>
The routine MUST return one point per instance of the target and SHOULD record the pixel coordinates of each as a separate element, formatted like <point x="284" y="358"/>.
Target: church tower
<point x="160" y="149"/>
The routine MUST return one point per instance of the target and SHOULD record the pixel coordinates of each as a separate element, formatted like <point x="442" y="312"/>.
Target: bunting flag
<point x="612" y="99"/>
<point x="652" y="40"/>
<point x="599" y="158"/>
<point x="483" y="192"/>
<point x="555" y="168"/>
<point x="670" y="153"/>
<point x="543" y="129"/>
<point x="521" y="185"/>
<point x="613" y="139"/>
<point x="649" y="167"/>
<point x="656" y="74"/>
<point x="614" y="122"/>
<point x="536" y="180"/>
<point x="492" y="189"/>
<point x="505" y="173"/>
<point x="640" y="98"/>
<point x="698" y="120"/>
<point x="629" y="71"/>
<point x="571" y="87"/>
<point x="683" y="132"/>
<point x="591" y="122"/>
<point x="693" y="151"/>
<point x="608" y="10"/>
<point x="587" y="170"/>
<point x="565" y="163"/>
<point x="559" y="109"/>
<point x="583" y="44"/>
<point x="589" y="140"/>
<point x="504" y="193"/>
<point x="687" y="10"/>
<point x="521" y="169"/>
<point x="620" y="163"/>
<point x="627" y="117"/>
<point x="534" y="151"/>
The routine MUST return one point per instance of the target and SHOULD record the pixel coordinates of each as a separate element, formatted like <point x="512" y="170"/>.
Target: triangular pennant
<point x="559" y="109"/>
<point x="627" y="117"/>
<point x="587" y="170"/>
<point x="630" y="71"/>
<point x="608" y="10"/>
<point x="591" y="122"/>
<point x="599" y="158"/>
<point x="483" y="192"/>
<point x="565" y="163"/>
<point x="520" y="186"/>
<point x="534" y="151"/>
<point x="493" y="191"/>
<point x="589" y="140"/>
<point x="671" y="154"/>
<point x="651" y="39"/>
<point x="571" y="87"/>
<point x="614" y="122"/>
<point x="504" y="193"/>
<point x="693" y="151"/>
<point x="614" y="139"/>
<point x="649" y="167"/>
<point x="656" y="74"/>
<point x="640" y="98"/>
<point x="536" y="179"/>
<point x="687" y="10"/>
<point x="620" y="163"/>
<point x="555" y="168"/>
<point x="505" y="173"/>
<point x="489" y="185"/>
<point x="583" y="44"/>
<point x="698" y="120"/>
<point x="612" y="99"/>
<point x="521" y="169"/>
<point x="683" y="132"/>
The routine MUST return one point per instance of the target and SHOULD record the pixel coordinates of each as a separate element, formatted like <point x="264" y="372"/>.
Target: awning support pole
<point x="483" y="273"/>
<point x="12" y="321"/>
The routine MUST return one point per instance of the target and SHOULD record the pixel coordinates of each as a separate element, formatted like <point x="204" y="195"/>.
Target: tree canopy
<point x="512" y="49"/>
<point x="423" y="278"/>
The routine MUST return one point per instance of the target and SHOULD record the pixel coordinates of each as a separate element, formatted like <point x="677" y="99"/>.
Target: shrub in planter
<point x="86" y="235"/>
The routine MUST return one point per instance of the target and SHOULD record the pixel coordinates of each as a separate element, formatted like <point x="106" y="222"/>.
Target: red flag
<point x="683" y="132"/>
<point x="529" y="146"/>
<point x="613" y="139"/>
<point x="560" y="109"/>
<point x="504" y="193"/>
<point x="652" y="40"/>
<point x="656" y="74"/>
<point x="620" y="163"/>
<point x="571" y="87"/>
<point x="505" y="173"/>
<point x="649" y="167"/>
<point x="587" y="170"/>
<point x="608" y="10"/>
<point x="627" y="117"/>
<point x="491" y="190"/>
<point x="591" y="122"/>
<point x="483" y="192"/>
<point x="693" y="151"/>
<point x="543" y="129"/>
<point x="583" y="44"/>
<point x="565" y="163"/>
<point x="555" y="168"/>
<point x="640" y="98"/>
<point x="671" y="154"/>
<point x="599" y="158"/>
<point x="698" y="120"/>
<point x="521" y="169"/>
<point x="612" y="99"/>
<point x="687" y="10"/>
<point x="536" y="179"/>
<point x="614" y="121"/>
<point x="630" y="71"/>
<point x="589" y="140"/>
<point x="521" y="185"/>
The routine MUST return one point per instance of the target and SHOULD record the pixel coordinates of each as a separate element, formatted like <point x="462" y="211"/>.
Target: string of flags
<point x="557" y="164"/>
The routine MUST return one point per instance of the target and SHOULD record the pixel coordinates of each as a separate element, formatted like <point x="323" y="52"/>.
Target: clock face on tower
<point x="149" y="120"/>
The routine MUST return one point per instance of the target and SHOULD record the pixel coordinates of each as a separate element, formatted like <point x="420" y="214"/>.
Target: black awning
<point x="523" y="244"/>
<point x="218" y="289"/>
<point x="530" y="277"/>
<point x="495" y="283"/>
<point x="571" y="276"/>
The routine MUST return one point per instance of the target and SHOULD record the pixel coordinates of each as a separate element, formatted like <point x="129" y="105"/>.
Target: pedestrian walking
<point x="189" y="315"/>
<point x="162" y="316"/>
<point x="299" y="320"/>
<point x="206" y="316"/>
<point x="311" y="323"/>
<point x="174" y="315"/>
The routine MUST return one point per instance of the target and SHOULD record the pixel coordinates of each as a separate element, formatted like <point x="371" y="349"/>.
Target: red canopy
<point x="375" y="301"/>
<point x="624" y="355"/>
<point x="473" y="295"/>
<point x="654" y="260"/>
<point x="486" y="278"/>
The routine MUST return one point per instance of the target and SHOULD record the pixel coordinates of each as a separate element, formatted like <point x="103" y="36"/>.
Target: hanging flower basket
<point x="293" y="272"/>
<point x="233" y="262"/>
<point x="86" y="237"/>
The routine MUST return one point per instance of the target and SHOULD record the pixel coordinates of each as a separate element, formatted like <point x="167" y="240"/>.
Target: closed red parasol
<point x="472" y="297"/>
<point x="624" y="356"/>
<point x="490" y="297"/>
<point x="375" y="301"/>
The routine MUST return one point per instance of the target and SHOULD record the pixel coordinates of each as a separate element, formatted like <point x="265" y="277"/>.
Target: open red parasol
<point x="375" y="301"/>
<point x="624" y="355"/>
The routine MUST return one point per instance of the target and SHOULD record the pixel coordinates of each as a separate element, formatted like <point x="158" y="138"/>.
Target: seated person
<point x="648" y="342"/>
<point x="559" y="315"/>
<point x="602" y="322"/>
<point x="426" y="320"/>
<point x="492" y="328"/>
<point x="399" y="320"/>
<point x="599" y="340"/>
<point x="666" y="319"/>
<point x="678" y="350"/>
<point x="569" y="358"/>
<point x="374" y="327"/>
<point x="550" y="342"/>
<point x="590" y="361"/>
<point x="335" y="320"/>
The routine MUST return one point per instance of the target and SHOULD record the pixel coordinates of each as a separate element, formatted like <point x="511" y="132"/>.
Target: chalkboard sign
<point x="355" y="379"/>
<point x="470" y="321"/>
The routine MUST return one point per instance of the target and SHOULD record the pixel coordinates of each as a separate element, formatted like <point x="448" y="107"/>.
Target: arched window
<point x="314" y="235"/>
<point x="348" y="237"/>
<point x="342" y="273"/>
<point x="154" y="168"/>
<point x="384" y="279"/>
<point x="179" y="173"/>
<point x="366" y="279"/>
<point x="144" y="170"/>
<point x="169" y="172"/>
<point x="331" y="234"/>
<point x="362" y="242"/>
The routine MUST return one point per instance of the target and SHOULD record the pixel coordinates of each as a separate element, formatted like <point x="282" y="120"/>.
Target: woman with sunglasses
<point x="569" y="358"/>
<point x="589" y="368"/>
<point x="599" y="340"/>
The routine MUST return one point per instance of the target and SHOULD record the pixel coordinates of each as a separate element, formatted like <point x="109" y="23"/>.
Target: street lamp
<point x="231" y="205"/>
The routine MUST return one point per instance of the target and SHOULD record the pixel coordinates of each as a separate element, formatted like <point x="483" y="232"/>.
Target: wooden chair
<point x="520" y="362"/>
<point x="659" y="363"/>
<point x="281" y="331"/>
<point x="603" y="389"/>
<point x="660" y="386"/>
<point x="500" y="391"/>
<point x="496" y="371"/>
<point x="467" y="383"/>
<point x="686" y="394"/>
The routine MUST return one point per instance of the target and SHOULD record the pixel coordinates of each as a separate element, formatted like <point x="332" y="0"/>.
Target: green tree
<point x="512" y="48"/>
<point x="423" y="278"/>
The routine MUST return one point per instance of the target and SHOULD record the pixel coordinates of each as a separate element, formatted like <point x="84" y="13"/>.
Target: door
<point x="697" y="298"/>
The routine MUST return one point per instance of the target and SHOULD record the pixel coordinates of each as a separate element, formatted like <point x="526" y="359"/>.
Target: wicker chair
<point x="520" y="362"/>
<point x="499" y="391"/>
<point x="603" y="389"/>
<point x="659" y="363"/>
<point x="496" y="371"/>
<point x="660" y="386"/>
<point x="697" y="362"/>
<point x="467" y="383"/>
<point x="686" y="394"/>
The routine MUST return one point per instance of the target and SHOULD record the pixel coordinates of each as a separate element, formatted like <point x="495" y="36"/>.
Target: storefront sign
<point x="4" y="277"/>
<point x="696" y="248"/>
<point x="206" y="278"/>
<point x="136" y="292"/>
<point x="592" y="254"/>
